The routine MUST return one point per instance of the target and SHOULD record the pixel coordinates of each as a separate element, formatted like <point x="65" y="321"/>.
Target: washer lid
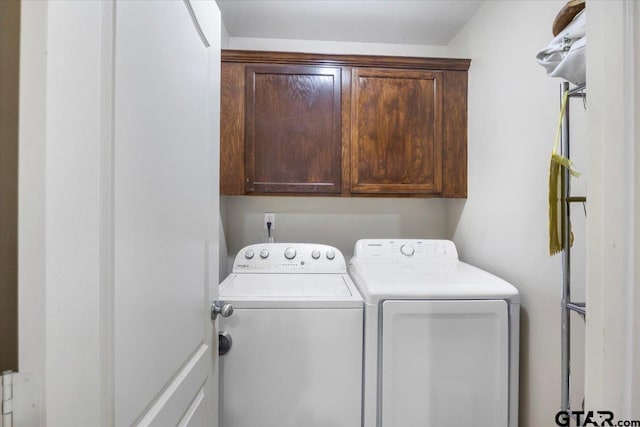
<point x="447" y="279"/>
<point x="290" y="290"/>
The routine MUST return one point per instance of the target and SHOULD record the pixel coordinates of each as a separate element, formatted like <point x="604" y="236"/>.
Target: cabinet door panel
<point x="293" y="129"/>
<point x="396" y="144"/>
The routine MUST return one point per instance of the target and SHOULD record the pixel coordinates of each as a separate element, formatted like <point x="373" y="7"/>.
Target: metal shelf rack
<point x="565" y="214"/>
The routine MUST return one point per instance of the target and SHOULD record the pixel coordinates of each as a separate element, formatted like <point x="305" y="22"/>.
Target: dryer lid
<point x="421" y="269"/>
<point x="437" y="280"/>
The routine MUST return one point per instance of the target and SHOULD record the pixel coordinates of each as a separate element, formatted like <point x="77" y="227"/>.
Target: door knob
<point x="221" y="308"/>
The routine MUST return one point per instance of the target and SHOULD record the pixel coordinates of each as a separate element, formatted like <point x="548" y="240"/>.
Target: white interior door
<point x="165" y="204"/>
<point x="445" y="363"/>
<point x="118" y="237"/>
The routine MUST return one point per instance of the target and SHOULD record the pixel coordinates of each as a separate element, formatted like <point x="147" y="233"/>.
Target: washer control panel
<point x="289" y="258"/>
<point x="404" y="250"/>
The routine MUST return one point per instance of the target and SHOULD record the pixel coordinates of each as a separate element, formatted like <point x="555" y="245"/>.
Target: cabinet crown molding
<point x="402" y="62"/>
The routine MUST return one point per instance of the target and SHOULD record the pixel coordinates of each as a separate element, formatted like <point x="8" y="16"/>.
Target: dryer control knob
<point x="264" y="254"/>
<point x="289" y="253"/>
<point x="248" y="254"/>
<point x="331" y="254"/>
<point x="315" y="254"/>
<point x="407" y="250"/>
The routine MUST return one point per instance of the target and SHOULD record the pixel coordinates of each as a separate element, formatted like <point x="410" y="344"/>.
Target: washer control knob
<point x="315" y="254"/>
<point x="331" y="254"/>
<point x="407" y="250"/>
<point x="289" y="253"/>
<point x="264" y="254"/>
<point x="248" y="254"/>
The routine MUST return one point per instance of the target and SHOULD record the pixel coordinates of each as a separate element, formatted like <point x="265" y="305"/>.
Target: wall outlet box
<point x="270" y="217"/>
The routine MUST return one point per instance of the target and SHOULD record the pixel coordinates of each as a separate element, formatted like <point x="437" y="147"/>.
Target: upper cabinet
<point x="396" y="131"/>
<point x="343" y="125"/>
<point x="292" y="138"/>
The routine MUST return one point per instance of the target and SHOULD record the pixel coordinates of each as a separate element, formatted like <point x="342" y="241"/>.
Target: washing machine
<point x="441" y="337"/>
<point x="293" y="344"/>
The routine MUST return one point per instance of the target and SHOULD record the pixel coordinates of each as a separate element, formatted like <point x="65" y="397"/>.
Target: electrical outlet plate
<point x="270" y="217"/>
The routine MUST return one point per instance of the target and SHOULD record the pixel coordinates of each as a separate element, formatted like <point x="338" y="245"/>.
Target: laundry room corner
<point x="503" y="224"/>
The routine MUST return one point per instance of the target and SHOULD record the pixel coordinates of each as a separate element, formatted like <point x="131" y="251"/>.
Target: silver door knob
<point x="221" y="308"/>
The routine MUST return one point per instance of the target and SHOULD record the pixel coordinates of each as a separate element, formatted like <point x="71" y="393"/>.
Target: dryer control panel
<point x="399" y="250"/>
<point x="289" y="258"/>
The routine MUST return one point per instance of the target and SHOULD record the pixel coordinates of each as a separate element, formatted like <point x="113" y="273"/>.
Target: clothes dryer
<point x="441" y="337"/>
<point x="295" y="335"/>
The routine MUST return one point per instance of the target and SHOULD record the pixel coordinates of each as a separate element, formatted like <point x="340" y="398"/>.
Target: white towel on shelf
<point x="565" y="57"/>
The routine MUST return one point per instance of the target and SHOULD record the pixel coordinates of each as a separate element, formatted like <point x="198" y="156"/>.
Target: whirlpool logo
<point x="593" y="419"/>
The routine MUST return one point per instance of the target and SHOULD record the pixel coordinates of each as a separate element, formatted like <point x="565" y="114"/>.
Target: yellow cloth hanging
<point x="558" y="162"/>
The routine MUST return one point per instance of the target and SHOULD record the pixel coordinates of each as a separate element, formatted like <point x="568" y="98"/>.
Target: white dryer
<point x="296" y="339"/>
<point x="441" y="337"/>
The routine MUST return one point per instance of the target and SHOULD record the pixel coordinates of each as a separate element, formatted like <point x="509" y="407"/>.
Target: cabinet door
<point x="396" y="131"/>
<point x="293" y="142"/>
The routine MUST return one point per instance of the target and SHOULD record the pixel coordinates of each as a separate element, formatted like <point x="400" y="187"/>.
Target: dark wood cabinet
<point x="396" y="131"/>
<point x="292" y="129"/>
<point x="232" y="148"/>
<point x="345" y="125"/>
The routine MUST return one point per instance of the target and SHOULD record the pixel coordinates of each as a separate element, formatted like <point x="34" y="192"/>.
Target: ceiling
<point x="426" y="22"/>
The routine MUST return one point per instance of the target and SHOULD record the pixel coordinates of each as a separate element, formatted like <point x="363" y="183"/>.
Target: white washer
<point x="441" y="337"/>
<point x="296" y="330"/>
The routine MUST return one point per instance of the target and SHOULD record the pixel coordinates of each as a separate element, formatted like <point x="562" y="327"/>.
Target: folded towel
<point x="565" y="57"/>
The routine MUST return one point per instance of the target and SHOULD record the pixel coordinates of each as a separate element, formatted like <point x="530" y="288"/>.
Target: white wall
<point x="330" y="220"/>
<point x="503" y="225"/>
<point x="346" y="48"/>
<point x="224" y="40"/>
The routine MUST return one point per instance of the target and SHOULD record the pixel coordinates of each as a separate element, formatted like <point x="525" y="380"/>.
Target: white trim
<point x="631" y="137"/>
<point x="60" y="143"/>
<point x="634" y="300"/>
<point x="162" y="402"/>
<point x="106" y="215"/>
<point x="196" y="24"/>
<point x="32" y="186"/>
<point x="611" y="381"/>
<point x="193" y="408"/>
